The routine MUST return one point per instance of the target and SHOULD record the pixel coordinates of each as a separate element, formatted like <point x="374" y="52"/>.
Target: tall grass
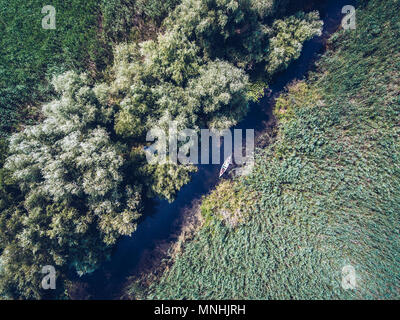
<point x="30" y="55"/>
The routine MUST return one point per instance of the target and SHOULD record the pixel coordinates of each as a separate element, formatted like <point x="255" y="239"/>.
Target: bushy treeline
<point x="324" y="195"/>
<point x="74" y="183"/>
<point x="82" y="41"/>
<point x="197" y="72"/>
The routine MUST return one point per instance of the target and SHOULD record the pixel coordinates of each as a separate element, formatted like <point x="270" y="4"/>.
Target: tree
<point x="183" y="76"/>
<point x="156" y="9"/>
<point x="219" y="94"/>
<point x="70" y="156"/>
<point x="167" y="179"/>
<point x="74" y="202"/>
<point x="239" y="31"/>
<point x="225" y="29"/>
<point x="287" y="39"/>
<point x="173" y="58"/>
<point x="56" y="235"/>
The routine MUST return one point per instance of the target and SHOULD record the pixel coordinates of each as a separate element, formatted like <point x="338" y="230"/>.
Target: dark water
<point x="106" y="282"/>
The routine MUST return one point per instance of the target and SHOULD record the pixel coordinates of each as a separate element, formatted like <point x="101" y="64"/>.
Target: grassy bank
<point x="326" y="193"/>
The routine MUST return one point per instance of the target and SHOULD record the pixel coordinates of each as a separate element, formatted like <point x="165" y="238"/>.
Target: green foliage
<point x="223" y="29"/>
<point x="160" y="83"/>
<point x="156" y="9"/>
<point x="287" y="37"/>
<point x="219" y="94"/>
<point x="30" y="54"/>
<point x="131" y="20"/>
<point x="82" y="41"/>
<point x="172" y="58"/>
<point x="65" y="200"/>
<point x="162" y="180"/>
<point x="256" y="90"/>
<point x="326" y="192"/>
<point x="167" y="179"/>
<point x="118" y="18"/>
<point x="47" y="235"/>
<point x="56" y="235"/>
<point x="73" y="183"/>
<point x="70" y="154"/>
<point x="236" y="31"/>
<point x="231" y="210"/>
<point x="183" y="75"/>
<point x="300" y="95"/>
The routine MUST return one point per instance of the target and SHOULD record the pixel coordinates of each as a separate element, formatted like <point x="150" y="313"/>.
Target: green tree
<point x="70" y="157"/>
<point x="287" y="38"/>
<point x="225" y="29"/>
<point x="219" y="94"/>
<point x="168" y="178"/>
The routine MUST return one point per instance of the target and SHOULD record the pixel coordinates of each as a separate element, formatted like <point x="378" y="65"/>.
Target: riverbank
<point x="326" y="192"/>
<point x="156" y="223"/>
<point x="263" y="120"/>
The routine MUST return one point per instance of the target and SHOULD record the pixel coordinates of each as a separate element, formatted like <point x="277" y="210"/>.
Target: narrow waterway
<point x="160" y="216"/>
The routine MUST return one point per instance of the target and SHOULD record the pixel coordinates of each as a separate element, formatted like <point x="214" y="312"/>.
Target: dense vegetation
<point x="29" y="55"/>
<point x="74" y="182"/>
<point x="324" y="195"/>
<point x="82" y="41"/>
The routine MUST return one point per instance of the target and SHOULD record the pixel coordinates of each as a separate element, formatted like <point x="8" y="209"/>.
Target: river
<point x="159" y="224"/>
